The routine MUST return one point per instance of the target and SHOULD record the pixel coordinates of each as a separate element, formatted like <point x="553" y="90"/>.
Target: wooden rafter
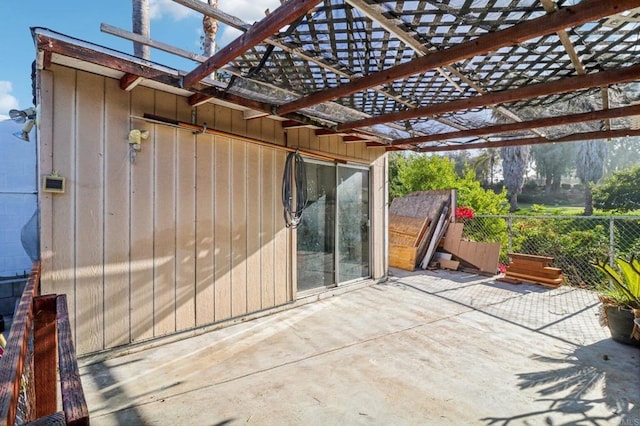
<point x="306" y="55"/>
<point x="129" y="81"/>
<point x="375" y="12"/>
<point x="586" y="11"/>
<point x="283" y="15"/>
<point x="576" y="137"/>
<point x="570" y="84"/>
<point x="525" y="125"/>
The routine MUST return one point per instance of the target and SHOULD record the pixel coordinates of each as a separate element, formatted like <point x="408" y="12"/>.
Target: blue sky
<point x="170" y="23"/>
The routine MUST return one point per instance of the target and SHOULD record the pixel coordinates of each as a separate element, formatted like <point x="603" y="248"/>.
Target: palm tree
<point x="210" y="28"/>
<point x="590" y="157"/>
<point x="141" y="26"/>
<point x="514" y="164"/>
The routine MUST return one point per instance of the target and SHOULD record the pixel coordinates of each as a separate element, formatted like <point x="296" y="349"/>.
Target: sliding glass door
<point x="333" y="236"/>
<point x="316" y="231"/>
<point x="353" y="223"/>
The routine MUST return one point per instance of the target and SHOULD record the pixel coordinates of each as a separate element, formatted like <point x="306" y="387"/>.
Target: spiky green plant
<point x="625" y="279"/>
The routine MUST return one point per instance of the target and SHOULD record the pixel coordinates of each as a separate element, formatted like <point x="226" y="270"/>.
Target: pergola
<point x="427" y="75"/>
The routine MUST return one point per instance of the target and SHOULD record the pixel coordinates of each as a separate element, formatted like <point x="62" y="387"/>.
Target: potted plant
<point x="620" y="307"/>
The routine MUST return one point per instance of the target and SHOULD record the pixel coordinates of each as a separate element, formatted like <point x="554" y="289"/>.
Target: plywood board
<point x="186" y="231"/>
<point x="205" y="243"/>
<point x="63" y="206"/>
<point x="254" y="213"/>
<point x="405" y="230"/>
<point x="116" y="219"/>
<point x="282" y="256"/>
<point x="141" y="222"/>
<point x="222" y="227"/>
<point x="449" y="264"/>
<point x="238" y="229"/>
<point x="267" y="226"/>
<point x="90" y="212"/>
<point x="453" y="237"/>
<point x="402" y="257"/>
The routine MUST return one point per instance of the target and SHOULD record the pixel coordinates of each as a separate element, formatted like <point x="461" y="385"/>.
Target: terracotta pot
<point x="621" y="324"/>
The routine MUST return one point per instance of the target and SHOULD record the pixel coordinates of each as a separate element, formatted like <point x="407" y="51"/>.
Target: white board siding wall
<point x="188" y="235"/>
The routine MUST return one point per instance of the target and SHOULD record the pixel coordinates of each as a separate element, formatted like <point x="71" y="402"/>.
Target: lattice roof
<point x="339" y="44"/>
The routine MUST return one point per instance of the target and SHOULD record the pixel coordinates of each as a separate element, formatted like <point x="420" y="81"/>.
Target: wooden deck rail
<point x="47" y="318"/>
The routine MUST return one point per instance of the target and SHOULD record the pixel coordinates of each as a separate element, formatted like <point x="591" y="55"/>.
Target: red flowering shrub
<point x="464" y="213"/>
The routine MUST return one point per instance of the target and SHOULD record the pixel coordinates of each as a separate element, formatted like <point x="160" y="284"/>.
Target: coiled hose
<point x="294" y="173"/>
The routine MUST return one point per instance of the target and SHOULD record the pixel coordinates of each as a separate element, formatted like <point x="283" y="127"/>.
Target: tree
<point x="590" y="158"/>
<point x="140" y="21"/>
<point x="514" y="164"/>
<point x="620" y="192"/>
<point x="622" y="154"/>
<point x="418" y="172"/>
<point x="210" y="28"/>
<point x="552" y="162"/>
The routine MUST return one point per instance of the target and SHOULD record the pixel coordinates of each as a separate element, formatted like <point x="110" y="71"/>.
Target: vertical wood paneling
<point x="281" y="258"/>
<point x="314" y="141"/>
<point x="186" y="231"/>
<point x="141" y="222"/>
<point x="89" y="212"/>
<point x="222" y="228"/>
<point x="116" y="213"/>
<point x="278" y="136"/>
<point x="63" y="205"/>
<point x="267" y="228"/>
<point x="238" y="123"/>
<point x="254" y="215"/>
<point x="254" y="128"/>
<point x="222" y="119"/>
<point x="164" y="211"/>
<point x="190" y="234"/>
<point x="333" y="144"/>
<point x="205" y="243"/>
<point x="239" y="229"/>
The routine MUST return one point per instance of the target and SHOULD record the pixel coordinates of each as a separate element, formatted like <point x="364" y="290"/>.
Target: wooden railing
<point x="28" y="380"/>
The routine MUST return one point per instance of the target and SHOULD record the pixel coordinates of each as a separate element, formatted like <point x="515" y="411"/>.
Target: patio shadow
<point x="568" y="384"/>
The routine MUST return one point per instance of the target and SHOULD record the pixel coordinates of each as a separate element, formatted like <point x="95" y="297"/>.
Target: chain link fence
<point x="573" y="241"/>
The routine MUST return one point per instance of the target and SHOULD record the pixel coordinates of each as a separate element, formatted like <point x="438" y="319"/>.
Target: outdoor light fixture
<point x="27" y="116"/>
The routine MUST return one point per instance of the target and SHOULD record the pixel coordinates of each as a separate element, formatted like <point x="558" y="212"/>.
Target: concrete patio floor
<point x="423" y="348"/>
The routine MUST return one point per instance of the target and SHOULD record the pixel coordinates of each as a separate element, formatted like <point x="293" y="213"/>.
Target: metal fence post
<point x="510" y="228"/>
<point x="612" y="241"/>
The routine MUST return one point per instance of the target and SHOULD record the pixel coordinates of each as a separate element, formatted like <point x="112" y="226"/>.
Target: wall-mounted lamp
<point x="27" y="116"/>
<point x="136" y="137"/>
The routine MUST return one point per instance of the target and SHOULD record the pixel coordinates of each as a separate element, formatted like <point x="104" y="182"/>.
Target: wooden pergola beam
<point x="129" y="81"/>
<point x="283" y="15"/>
<point x="580" y="82"/>
<point x="576" y="137"/>
<point x="585" y="11"/>
<point x="525" y="125"/>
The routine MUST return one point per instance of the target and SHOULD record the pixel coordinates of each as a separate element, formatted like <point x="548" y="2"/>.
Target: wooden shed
<point x="187" y="231"/>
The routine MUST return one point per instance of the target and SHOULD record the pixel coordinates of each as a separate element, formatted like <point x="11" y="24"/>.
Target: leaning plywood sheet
<point x="402" y="257"/>
<point x="406" y="230"/>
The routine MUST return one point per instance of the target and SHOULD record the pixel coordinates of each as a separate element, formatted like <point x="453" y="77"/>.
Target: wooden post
<point x="45" y="354"/>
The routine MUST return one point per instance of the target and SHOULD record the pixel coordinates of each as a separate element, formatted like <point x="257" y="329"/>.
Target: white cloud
<point x="7" y="100"/>
<point x="248" y="10"/>
<point x="161" y="8"/>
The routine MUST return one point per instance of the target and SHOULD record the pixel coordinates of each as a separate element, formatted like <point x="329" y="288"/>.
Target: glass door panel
<point x="316" y="231"/>
<point x="353" y="223"/>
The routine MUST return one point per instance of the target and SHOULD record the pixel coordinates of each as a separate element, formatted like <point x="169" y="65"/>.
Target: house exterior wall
<point x="189" y="234"/>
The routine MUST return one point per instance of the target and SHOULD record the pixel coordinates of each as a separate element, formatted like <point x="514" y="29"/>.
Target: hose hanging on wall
<point x="294" y="173"/>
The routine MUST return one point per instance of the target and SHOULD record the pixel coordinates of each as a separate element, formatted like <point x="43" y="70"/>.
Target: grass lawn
<point x="570" y="210"/>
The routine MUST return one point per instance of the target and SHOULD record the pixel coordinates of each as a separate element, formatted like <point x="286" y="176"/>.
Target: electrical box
<point x="53" y="183"/>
